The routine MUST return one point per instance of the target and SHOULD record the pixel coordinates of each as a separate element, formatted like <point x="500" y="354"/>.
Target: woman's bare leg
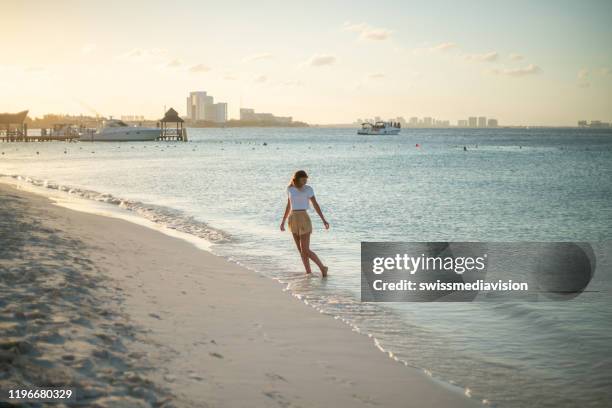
<point x="299" y="243"/>
<point x="296" y="238"/>
<point x="305" y="249"/>
<point x="316" y="260"/>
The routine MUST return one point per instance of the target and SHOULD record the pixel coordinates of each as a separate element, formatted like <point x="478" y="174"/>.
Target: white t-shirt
<point x="299" y="198"/>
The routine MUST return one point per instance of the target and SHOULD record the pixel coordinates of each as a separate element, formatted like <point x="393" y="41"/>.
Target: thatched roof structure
<point x="171" y="117"/>
<point x="13" y="118"/>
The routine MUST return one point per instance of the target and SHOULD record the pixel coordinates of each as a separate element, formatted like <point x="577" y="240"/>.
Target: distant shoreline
<point x="50" y="120"/>
<point x="241" y="123"/>
<point x="354" y="126"/>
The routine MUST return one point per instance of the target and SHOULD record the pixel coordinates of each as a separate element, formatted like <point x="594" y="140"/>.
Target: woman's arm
<point x="318" y="210"/>
<point x="287" y="208"/>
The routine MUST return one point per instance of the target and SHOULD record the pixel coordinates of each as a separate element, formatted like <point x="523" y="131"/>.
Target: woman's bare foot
<point x="324" y="271"/>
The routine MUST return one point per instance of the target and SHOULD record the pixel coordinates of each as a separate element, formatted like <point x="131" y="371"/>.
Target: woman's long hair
<point x="297" y="175"/>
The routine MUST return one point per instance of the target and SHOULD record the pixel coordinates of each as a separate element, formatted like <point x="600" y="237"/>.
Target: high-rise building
<point x="201" y="106"/>
<point x="472" y="121"/>
<point x="196" y="105"/>
<point x="427" y="121"/>
<point x="462" y="123"/>
<point x="492" y="123"/>
<point x="482" y="122"/>
<point x="220" y="112"/>
<point x="414" y="121"/>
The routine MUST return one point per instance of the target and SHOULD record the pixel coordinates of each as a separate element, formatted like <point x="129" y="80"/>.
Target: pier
<point x="48" y="138"/>
<point x="13" y="128"/>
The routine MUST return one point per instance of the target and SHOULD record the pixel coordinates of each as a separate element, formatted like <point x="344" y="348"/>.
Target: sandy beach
<point x="130" y="316"/>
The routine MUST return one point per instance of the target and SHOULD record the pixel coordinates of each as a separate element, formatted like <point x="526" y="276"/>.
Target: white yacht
<point x="379" y="128"/>
<point x="114" y="130"/>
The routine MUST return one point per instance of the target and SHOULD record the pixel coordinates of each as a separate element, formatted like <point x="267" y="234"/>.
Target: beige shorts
<point x="299" y="223"/>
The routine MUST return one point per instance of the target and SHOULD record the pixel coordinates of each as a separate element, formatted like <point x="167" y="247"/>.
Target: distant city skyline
<point x="202" y="107"/>
<point x="428" y="121"/>
<point x="523" y="63"/>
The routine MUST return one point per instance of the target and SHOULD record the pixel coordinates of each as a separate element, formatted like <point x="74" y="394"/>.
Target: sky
<point x="522" y="62"/>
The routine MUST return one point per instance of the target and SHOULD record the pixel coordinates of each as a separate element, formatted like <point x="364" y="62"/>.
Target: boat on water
<point x="379" y="128"/>
<point x="114" y="130"/>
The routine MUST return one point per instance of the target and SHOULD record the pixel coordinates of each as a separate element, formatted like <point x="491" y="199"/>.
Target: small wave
<point x="164" y="216"/>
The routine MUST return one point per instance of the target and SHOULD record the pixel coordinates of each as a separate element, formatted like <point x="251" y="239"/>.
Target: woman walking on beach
<point x="298" y="196"/>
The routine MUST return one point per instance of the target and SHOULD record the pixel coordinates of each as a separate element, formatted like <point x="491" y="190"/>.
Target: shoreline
<point x="219" y="333"/>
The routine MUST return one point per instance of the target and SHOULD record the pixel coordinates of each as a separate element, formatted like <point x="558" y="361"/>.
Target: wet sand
<point x="133" y="317"/>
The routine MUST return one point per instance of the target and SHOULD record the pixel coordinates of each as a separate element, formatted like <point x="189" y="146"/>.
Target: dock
<point x="49" y="138"/>
<point x="13" y="128"/>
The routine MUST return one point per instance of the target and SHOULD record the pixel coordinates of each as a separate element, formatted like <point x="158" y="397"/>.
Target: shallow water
<point x="225" y="185"/>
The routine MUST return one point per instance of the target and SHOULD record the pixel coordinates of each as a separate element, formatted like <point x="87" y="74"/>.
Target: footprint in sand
<point x="278" y="398"/>
<point x="340" y="381"/>
<point x="156" y="316"/>
<point x="276" y="377"/>
<point x="196" y="377"/>
<point x="217" y="355"/>
<point x="365" y="399"/>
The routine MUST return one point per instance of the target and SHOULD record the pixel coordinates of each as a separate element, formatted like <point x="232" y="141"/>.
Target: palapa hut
<point x="168" y="129"/>
<point x="13" y="126"/>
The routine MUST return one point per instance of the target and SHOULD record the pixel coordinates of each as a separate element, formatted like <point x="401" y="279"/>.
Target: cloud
<point x="137" y="53"/>
<point x="257" y="57"/>
<point x="368" y="32"/>
<point x="175" y="63"/>
<point x="230" y="77"/>
<point x="134" y="53"/>
<point x="516" y="57"/>
<point x="583" y="78"/>
<point x="320" y="60"/>
<point x="446" y="46"/>
<point x="88" y="49"/>
<point x="34" y="68"/>
<point x="376" y="75"/>
<point x="530" y="69"/>
<point x="485" y="57"/>
<point x="292" y="82"/>
<point x="438" y="48"/>
<point x="260" y="79"/>
<point x="199" y="68"/>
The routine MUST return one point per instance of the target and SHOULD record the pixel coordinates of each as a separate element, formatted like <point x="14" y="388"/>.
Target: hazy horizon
<point x="523" y="63"/>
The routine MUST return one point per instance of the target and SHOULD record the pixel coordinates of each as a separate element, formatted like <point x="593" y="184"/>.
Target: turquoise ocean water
<point x="228" y="186"/>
